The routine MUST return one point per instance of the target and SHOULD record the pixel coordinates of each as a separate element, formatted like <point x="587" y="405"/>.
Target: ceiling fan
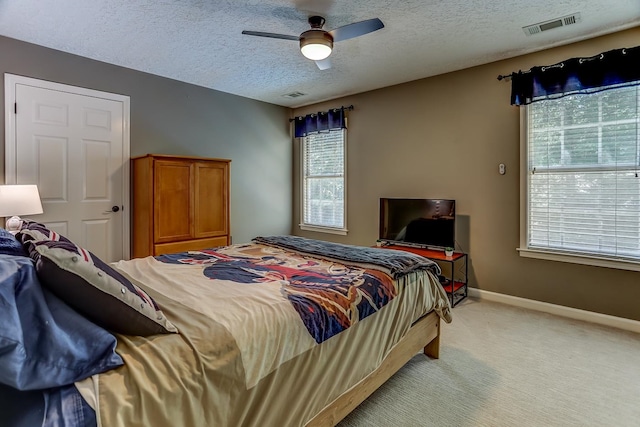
<point x="317" y="44"/>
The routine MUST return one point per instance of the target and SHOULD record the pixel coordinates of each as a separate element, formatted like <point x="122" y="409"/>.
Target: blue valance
<point x="323" y="121"/>
<point x="615" y="68"/>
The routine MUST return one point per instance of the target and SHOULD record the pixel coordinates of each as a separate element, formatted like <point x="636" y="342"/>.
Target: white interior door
<point x="73" y="143"/>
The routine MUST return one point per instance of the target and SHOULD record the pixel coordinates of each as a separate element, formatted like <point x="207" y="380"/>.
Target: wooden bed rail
<point x="424" y="334"/>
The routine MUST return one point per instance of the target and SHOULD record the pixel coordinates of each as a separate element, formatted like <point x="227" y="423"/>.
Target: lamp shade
<point x="316" y="44"/>
<point x="19" y="200"/>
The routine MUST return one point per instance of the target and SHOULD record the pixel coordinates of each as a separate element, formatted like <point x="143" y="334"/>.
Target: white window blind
<point x="324" y="180"/>
<point x="583" y="187"/>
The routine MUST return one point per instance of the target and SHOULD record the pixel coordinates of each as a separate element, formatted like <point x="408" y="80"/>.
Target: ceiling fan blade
<point x="356" y="29"/>
<point x="324" y="64"/>
<point x="271" y="35"/>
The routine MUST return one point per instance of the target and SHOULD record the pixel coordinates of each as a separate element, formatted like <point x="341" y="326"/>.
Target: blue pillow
<point x="43" y="342"/>
<point x="9" y="245"/>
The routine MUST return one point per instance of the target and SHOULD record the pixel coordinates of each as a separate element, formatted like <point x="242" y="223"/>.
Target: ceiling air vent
<point x="554" y="23"/>
<point x="294" y="94"/>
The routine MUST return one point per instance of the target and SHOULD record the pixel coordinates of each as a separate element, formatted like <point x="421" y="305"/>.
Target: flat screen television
<point x="418" y="222"/>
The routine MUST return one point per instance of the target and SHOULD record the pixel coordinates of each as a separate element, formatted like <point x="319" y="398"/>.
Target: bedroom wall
<point x="172" y="117"/>
<point x="444" y="137"/>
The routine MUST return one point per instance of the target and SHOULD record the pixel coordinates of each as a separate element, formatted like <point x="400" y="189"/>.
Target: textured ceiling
<point x="200" y="41"/>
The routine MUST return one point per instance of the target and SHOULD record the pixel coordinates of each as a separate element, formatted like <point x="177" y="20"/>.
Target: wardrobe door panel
<point x="173" y="214"/>
<point x="211" y="209"/>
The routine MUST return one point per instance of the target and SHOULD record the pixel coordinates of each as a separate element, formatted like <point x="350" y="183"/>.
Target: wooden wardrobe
<point x="179" y="204"/>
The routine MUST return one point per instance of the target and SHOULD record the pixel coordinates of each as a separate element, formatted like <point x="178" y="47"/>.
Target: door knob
<point x="113" y="209"/>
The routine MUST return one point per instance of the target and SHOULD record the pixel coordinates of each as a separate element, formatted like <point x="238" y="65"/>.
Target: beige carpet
<point x="506" y="366"/>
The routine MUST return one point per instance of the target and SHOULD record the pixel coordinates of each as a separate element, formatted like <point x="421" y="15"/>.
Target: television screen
<point x="423" y="222"/>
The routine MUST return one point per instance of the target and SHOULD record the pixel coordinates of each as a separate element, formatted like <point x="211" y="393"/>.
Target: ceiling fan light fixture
<point x="316" y="44"/>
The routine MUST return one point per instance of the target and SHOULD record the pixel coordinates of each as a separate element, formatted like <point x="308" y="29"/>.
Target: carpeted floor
<point x="506" y="366"/>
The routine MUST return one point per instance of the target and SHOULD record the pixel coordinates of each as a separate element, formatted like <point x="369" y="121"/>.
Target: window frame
<point x="314" y="227"/>
<point x="550" y="254"/>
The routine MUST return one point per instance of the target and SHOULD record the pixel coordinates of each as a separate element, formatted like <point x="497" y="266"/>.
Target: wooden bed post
<point x="433" y="348"/>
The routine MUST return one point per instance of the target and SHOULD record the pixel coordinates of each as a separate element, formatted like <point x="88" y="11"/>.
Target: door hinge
<point x="15" y="108"/>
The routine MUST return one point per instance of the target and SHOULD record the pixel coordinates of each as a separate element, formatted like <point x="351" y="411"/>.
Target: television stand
<point x="455" y="269"/>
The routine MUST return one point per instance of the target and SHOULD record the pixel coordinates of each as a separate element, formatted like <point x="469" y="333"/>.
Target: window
<point x="323" y="186"/>
<point x="582" y="184"/>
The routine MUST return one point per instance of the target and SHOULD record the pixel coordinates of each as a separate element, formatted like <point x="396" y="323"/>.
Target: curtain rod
<point x="507" y="77"/>
<point x="350" y="107"/>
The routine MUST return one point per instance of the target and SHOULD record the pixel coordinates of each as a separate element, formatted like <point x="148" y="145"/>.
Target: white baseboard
<point x="560" y="310"/>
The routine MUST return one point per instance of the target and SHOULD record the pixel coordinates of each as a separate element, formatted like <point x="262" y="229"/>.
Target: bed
<point x="278" y="331"/>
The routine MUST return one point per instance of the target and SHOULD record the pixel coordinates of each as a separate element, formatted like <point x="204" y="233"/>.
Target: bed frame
<point x="425" y="330"/>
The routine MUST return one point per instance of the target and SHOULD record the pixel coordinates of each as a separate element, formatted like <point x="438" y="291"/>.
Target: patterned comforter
<point x="329" y="297"/>
<point x="251" y="319"/>
<point x="395" y="263"/>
